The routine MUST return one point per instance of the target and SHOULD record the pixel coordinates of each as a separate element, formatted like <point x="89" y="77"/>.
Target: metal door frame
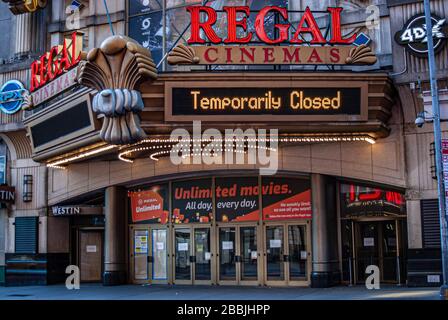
<point x="149" y="228"/>
<point x="286" y="281"/>
<point x="238" y="276"/>
<point x="355" y="228"/>
<point x="192" y="229"/>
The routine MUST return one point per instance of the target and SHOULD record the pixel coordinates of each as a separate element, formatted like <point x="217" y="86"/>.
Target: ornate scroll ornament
<point x="182" y="55"/>
<point x="25" y="6"/>
<point x="361" y="55"/>
<point x="115" y="70"/>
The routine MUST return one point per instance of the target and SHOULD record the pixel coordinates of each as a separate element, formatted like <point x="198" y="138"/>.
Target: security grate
<point x="430" y="223"/>
<point x="26" y="234"/>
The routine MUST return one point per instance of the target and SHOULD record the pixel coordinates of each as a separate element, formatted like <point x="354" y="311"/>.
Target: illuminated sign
<point x="298" y="103"/>
<point x="237" y="20"/>
<point x="352" y="49"/>
<point x="57" y="61"/>
<point x="12" y="95"/>
<point x="414" y="35"/>
<point x="364" y="201"/>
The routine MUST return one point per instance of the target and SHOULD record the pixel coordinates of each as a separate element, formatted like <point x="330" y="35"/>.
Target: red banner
<point x="295" y="207"/>
<point x="147" y="205"/>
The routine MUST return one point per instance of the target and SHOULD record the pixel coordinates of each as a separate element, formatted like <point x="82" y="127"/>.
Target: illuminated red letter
<point x="336" y="28"/>
<point x="196" y="25"/>
<point x="35" y="76"/>
<point x="312" y="28"/>
<point x="43" y="70"/>
<point x="53" y="63"/>
<point x="75" y="59"/>
<point x="282" y="28"/>
<point x="233" y="24"/>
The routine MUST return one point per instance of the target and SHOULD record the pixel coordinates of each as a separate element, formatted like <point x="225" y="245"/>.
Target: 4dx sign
<point x="58" y="60"/>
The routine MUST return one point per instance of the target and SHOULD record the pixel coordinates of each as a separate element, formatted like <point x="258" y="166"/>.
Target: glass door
<point x="192" y="255"/>
<point x="182" y="256"/>
<point x="159" y="265"/>
<point x="297" y="262"/>
<point x="274" y="254"/>
<point x="202" y="269"/>
<point x="227" y="273"/>
<point x="238" y="255"/>
<point x="287" y="254"/>
<point x="249" y="254"/>
<point x="140" y="256"/>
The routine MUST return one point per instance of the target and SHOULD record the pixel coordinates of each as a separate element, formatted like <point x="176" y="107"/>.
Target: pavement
<point x="198" y="293"/>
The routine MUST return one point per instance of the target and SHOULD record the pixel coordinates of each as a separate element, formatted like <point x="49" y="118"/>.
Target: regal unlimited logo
<point x="414" y="36"/>
<point x="12" y="95"/>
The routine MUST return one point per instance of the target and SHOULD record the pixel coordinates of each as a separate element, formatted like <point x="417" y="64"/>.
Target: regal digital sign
<point x="276" y="104"/>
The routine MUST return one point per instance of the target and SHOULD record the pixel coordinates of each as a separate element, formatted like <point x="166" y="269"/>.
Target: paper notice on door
<point x="369" y="242"/>
<point x="90" y="249"/>
<point x="227" y="245"/>
<point x="253" y="255"/>
<point x="275" y="243"/>
<point x="160" y="246"/>
<point x="208" y="256"/>
<point x="303" y="255"/>
<point x="199" y="248"/>
<point x="182" y="246"/>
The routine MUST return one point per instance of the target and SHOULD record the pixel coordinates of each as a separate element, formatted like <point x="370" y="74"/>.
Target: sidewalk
<point x="198" y="293"/>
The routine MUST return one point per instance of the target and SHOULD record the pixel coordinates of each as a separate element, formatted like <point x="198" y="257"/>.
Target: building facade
<point x="331" y="174"/>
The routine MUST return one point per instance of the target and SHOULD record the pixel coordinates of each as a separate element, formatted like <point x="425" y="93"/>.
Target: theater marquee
<point x="258" y="101"/>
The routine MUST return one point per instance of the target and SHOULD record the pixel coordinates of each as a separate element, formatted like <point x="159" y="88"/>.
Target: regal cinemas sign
<point x="55" y="71"/>
<point x="282" y="42"/>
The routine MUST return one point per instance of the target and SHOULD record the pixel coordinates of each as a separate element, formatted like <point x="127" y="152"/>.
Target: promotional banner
<point x="286" y="198"/>
<point x="150" y="206"/>
<point x="192" y="201"/>
<point x="237" y="199"/>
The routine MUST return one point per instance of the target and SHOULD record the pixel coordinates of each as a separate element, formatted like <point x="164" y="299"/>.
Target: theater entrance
<point x="149" y="254"/>
<point x="238" y="255"/>
<point x="287" y="254"/>
<point x="377" y="243"/>
<point x="193" y="255"/>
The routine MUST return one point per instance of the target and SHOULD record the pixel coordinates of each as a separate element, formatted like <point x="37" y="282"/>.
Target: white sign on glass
<point x="275" y="243"/>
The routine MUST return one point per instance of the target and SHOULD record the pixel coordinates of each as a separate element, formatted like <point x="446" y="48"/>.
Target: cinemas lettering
<point x="326" y="103"/>
<point x="58" y="60"/>
<point x="206" y="47"/>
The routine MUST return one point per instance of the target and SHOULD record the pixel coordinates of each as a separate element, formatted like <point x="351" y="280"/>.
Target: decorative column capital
<point x="115" y="70"/>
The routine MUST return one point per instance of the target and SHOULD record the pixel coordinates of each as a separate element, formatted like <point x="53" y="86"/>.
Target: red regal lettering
<point x="233" y="24"/>
<point x="282" y="28"/>
<point x="196" y="25"/>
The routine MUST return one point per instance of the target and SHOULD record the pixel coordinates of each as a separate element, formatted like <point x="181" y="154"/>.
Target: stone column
<point x="322" y="236"/>
<point x="114" y="239"/>
<point x="23" y="34"/>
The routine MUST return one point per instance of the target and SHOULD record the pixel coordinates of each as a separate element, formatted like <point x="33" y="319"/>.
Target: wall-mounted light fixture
<point x="27" y="188"/>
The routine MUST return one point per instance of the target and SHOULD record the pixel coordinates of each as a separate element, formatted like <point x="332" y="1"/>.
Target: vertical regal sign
<point x="445" y="167"/>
